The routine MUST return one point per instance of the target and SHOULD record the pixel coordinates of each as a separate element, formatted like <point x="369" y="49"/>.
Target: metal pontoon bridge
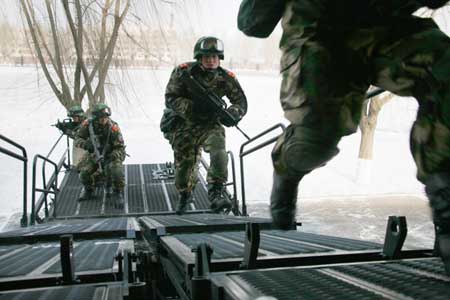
<point x="67" y="249"/>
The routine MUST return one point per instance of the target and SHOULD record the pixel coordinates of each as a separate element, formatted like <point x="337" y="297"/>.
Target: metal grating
<point x="112" y="224"/>
<point x="73" y="226"/>
<point x="156" y="199"/>
<point x="428" y="265"/>
<point x="72" y="178"/>
<point x="302" y="285"/>
<point x="201" y="197"/>
<point x="135" y="203"/>
<point x="275" y="245"/>
<point x="90" y="256"/>
<point x="93" y="206"/>
<point x="401" y="278"/>
<point x="222" y="249"/>
<point x="28" y="259"/>
<point x="133" y="175"/>
<point x="148" y="173"/>
<point x="144" y="194"/>
<point x="173" y="194"/>
<point x="204" y="219"/>
<point x="76" y="292"/>
<point x="328" y="241"/>
<point x="67" y="201"/>
<point x="44" y="258"/>
<point x="8" y="249"/>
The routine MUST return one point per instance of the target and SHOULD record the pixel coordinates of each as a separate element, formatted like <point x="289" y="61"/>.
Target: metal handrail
<point x="235" y="208"/>
<point x="242" y="154"/>
<point x="24" y="158"/>
<point x="52" y="184"/>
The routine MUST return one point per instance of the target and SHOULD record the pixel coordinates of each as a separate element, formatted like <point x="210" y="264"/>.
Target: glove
<point x="89" y="147"/>
<point x="228" y="122"/>
<point x="433" y="4"/>
<point x="116" y="156"/>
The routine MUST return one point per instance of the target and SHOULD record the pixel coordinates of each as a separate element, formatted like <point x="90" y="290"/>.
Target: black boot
<point x="438" y="192"/>
<point x="87" y="193"/>
<point x="119" y="201"/>
<point x="183" y="201"/>
<point x="442" y="245"/>
<point x="283" y="201"/>
<point x="220" y="202"/>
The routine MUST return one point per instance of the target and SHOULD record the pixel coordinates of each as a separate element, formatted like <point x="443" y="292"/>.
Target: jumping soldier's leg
<point x="218" y="169"/>
<point x="419" y="66"/>
<point x="322" y="97"/>
<point x="87" y="171"/>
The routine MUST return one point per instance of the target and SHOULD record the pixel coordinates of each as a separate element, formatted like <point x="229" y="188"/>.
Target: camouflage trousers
<point x="187" y="142"/>
<point x="113" y="174"/>
<point x="323" y="91"/>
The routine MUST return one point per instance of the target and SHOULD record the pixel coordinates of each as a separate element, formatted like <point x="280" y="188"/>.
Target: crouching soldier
<point x="70" y="127"/>
<point x="101" y="138"/>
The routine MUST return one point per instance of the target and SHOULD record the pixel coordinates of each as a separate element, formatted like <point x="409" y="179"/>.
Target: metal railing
<point x="243" y="153"/>
<point x="24" y="159"/>
<point x="50" y="186"/>
<point x="234" y="200"/>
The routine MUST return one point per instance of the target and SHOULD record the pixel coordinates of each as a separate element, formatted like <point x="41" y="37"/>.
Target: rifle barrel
<point x="240" y="130"/>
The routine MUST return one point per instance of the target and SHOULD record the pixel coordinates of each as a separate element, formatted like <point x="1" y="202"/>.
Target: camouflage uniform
<point x="70" y="127"/>
<point x="109" y="136"/>
<point x="190" y="126"/>
<point x="332" y="51"/>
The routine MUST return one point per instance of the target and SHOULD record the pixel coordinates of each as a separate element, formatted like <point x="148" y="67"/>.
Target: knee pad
<point x="300" y="150"/>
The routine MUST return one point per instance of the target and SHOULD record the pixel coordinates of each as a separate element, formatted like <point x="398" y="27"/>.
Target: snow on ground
<point x="28" y="107"/>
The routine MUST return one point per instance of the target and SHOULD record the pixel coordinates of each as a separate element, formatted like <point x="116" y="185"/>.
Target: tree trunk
<point x="368" y="123"/>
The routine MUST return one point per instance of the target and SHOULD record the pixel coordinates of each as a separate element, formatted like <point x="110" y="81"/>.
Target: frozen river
<point x="332" y="199"/>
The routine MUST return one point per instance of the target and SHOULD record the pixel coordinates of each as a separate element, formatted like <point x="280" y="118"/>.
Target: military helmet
<point x="75" y="111"/>
<point x="101" y="110"/>
<point x="208" y="45"/>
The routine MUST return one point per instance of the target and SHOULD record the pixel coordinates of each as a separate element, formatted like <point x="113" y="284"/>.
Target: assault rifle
<point x="99" y="157"/>
<point x="65" y="125"/>
<point x="217" y="104"/>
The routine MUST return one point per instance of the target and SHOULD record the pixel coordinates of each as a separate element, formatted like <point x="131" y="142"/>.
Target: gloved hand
<point x="116" y="156"/>
<point x="228" y="122"/>
<point x="89" y="147"/>
<point x="433" y="4"/>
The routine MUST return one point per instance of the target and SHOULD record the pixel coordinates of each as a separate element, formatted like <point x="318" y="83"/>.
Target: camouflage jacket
<point x="306" y="19"/>
<point x="109" y="137"/>
<point x="181" y="106"/>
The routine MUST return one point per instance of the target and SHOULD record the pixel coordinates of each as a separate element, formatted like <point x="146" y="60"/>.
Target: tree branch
<point x="58" y="67"/>
<point x="39" y="53"/>
<point x="78" y="47"/>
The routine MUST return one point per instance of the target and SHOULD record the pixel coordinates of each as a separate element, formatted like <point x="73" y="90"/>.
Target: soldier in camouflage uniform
<point x="332" y="51"/>
<point x="76" y="117"/>
<point x="190" y="126"/>
<point x="111" y="149"/>
<point x="70" y="127"/>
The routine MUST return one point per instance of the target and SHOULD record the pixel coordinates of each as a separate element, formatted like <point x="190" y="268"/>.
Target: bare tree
<point x="94" y="47"/>
<point x="368" y="123"/>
